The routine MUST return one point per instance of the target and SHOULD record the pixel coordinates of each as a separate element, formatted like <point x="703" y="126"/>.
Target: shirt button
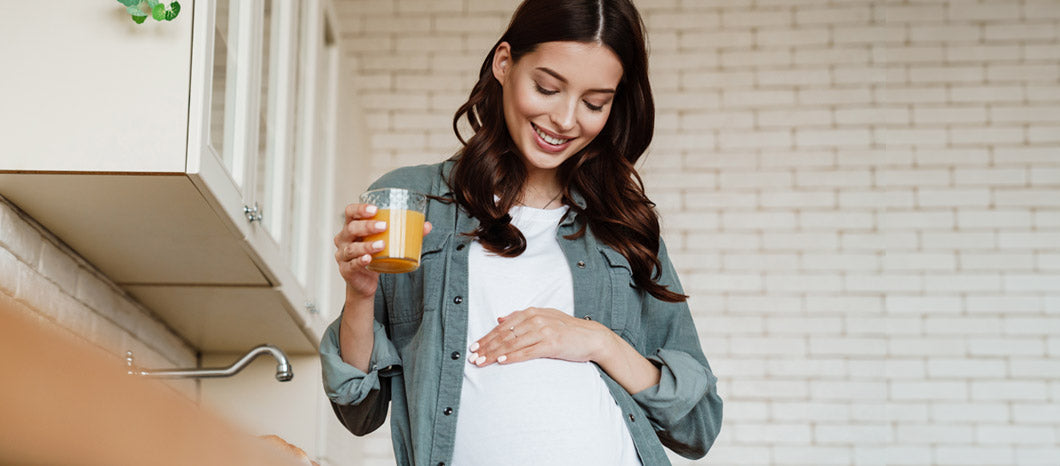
<point x="581" y="264"/>
<point x="441" y="464"/>
<point x="458" y="299"/>
<point x="449" y="411"/>
<point x="631" y="419"/>
<point x="460" y="247"/>
<point x="455" y="355"/>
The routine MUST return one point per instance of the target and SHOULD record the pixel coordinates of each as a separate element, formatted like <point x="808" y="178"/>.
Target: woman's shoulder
<point x="425" y="179"/>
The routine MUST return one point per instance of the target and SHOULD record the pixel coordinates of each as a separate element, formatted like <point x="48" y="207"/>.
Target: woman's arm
<point x="684" y="406"/>
<point x="623" y="363"/>
<point x="356" y="356"/>
<point x="356" y="330"/>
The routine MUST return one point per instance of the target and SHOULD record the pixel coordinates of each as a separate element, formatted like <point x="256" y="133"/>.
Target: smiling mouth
<point x="549" y="139"/>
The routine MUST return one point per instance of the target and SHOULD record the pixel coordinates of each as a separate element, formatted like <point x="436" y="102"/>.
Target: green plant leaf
<point x="129" y="3"/>
<point x="139" y="19"/>
<point x="158" y="12"/>
<point x="152" y="4"/>
<point x="135" y="11"/>
<point x="174" y="12"/>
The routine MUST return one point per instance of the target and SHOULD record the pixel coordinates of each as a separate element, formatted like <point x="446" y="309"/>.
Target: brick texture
<point x="47" y="278"/>
<point x="863" y="198"/>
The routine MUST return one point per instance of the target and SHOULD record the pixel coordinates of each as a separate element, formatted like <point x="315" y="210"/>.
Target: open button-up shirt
<point x="416" y="365"/>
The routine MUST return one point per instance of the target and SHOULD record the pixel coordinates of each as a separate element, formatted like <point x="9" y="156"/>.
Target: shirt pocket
<point x="622" y="290"/>
<point x="414" y="293"/>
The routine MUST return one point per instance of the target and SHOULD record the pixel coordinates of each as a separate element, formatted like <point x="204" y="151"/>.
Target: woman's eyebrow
<point x="560" y="77"/>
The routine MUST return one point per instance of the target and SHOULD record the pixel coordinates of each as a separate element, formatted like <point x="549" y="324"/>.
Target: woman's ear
<point x="502" y="62"/>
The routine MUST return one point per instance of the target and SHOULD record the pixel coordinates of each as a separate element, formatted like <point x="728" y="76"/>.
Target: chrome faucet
<point x="283" y="366"/>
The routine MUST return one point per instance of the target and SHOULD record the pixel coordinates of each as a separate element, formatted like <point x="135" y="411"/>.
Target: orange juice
<point x="402" y="241"/>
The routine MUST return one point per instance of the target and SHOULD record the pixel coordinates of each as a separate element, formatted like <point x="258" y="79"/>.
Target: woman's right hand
<point x="352" y="253"/>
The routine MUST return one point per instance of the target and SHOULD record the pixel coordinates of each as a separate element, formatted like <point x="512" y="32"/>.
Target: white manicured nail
<point x="474" y="346"/>
<point x="380" y="226"/>
<point x="378" y="244"/>
<point x="371" y="209"/>
<point x="502" y="358"/>
<point x="480" y="360"/>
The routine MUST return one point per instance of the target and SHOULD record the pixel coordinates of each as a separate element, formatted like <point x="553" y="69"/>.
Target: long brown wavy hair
<point x="616" y="209"/>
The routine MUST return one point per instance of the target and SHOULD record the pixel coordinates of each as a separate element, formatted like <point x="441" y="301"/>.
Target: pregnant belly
<point x="543" y="411"/>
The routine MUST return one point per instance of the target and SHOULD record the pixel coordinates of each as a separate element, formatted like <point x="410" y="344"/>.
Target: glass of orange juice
<point x="404" y="212"/>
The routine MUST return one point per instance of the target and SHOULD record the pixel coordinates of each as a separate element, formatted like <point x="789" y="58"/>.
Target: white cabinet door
<point x="83" y="88"/>
<point x="142" y="146"/>
<point x="276" y="88"/>
<point x="316" y="216"/>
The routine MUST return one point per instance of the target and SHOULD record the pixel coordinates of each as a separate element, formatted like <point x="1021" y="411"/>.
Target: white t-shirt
<point x="542" y="411"/>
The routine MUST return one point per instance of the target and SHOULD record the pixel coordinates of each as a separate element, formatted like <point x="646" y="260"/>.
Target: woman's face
<point x="556" y="98"/>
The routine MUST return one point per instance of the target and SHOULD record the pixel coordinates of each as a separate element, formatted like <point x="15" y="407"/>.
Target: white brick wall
<point x="41" y="276"/>
<point x="863" y="198"/>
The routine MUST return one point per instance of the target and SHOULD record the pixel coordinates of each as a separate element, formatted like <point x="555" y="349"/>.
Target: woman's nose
<point x="563" y="116"/>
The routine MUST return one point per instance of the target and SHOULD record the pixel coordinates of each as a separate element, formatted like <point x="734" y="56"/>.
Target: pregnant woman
<point x="546" y="324"/>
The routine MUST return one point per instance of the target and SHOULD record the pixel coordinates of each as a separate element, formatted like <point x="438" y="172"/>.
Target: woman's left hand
<point x="535" y="333"/>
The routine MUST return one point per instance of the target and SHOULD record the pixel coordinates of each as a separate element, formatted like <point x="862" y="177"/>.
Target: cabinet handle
<point x="253" y="214"/>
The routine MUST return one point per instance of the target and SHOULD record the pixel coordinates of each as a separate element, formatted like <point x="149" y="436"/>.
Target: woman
<point x="546" y="324"/>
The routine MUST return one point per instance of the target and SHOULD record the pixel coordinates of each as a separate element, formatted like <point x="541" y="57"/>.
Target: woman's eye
<point x="544" y="91"/>
<point x="595" y="108"/>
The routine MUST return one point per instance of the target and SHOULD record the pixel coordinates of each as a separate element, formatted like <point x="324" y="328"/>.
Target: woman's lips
<point x="545" y="145"/>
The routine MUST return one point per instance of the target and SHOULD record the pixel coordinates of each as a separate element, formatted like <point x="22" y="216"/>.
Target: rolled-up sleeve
<point x="345" y="384"/>
<point x="683" y="382"/>
<point x="684" y="407"/>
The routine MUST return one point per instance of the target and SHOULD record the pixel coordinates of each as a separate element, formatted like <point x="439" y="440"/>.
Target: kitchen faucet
<point x="283" y="366"/>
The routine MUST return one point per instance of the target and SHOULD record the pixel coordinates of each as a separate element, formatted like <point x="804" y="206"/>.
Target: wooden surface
<point x="66" y="402"/>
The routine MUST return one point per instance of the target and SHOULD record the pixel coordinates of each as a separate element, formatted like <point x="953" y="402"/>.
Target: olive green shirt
<point x="418" y="359"/>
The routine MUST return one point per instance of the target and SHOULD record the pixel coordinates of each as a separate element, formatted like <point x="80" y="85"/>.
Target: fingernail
<point x="371" y="209"/>
<point x="480" y="360"/>
<point x="380" y="226"/>
<point x="474" y="346"/>
<point x="502" y="358"/>
<point x="366" y="258"/>
<point x="378" y="244"/>
<point x="472" y="357"/>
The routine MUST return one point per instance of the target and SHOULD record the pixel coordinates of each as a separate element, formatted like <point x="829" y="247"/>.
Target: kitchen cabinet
<point x="188" y="160"/>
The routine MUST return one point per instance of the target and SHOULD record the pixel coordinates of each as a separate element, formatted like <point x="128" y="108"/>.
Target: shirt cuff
<point x="345" y="384"/>
<point x="683" y="382"/>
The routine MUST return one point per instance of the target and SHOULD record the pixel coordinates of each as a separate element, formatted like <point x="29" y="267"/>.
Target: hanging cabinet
<point x="188" y="160"/>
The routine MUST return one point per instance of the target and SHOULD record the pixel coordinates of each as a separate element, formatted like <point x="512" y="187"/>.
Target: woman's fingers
<point x="358" y="223"/>
<point x="352" y="251"/>
<point x="360" y="211"/>
<point x="504" y="331"/>
<point x="504" y="347"/>
<point x="515" y="331"/>
<point x="357" y="229"/>
<point x="525" y="353"/>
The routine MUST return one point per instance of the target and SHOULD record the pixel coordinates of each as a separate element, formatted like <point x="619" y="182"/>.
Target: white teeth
<point x="550" y="139"/>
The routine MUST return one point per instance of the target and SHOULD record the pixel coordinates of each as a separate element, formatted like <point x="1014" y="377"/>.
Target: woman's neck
<point x="541" y="190"/>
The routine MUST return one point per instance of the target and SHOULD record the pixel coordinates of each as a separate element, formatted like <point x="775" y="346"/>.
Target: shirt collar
<point x="443" y="189"/>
